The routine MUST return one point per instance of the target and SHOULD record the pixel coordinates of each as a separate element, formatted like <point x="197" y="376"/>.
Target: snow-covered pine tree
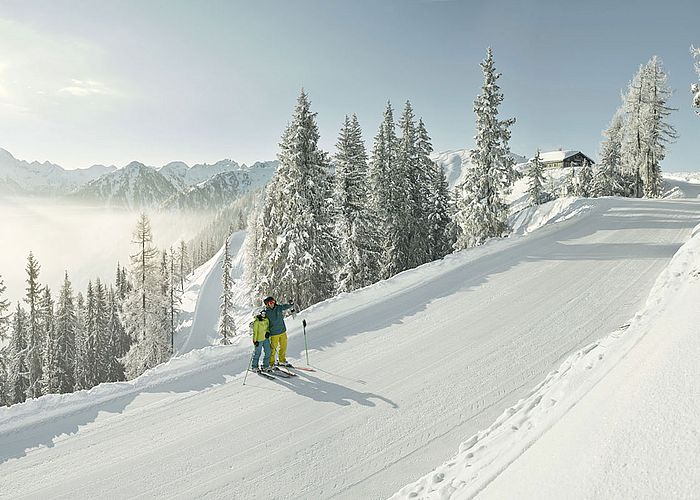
<point x="89" y="359"/>
<point x="143" y="319"/>
<point x="59" y="371"/>
<point x="695" y="88"/>
<point x="584" y="180"/>
<point x="98" y="338"/>
<point x="658" y="132"/>
<point x="48" y="331"/>
<point x="118" y="279"/>
<point x="481" y="210"/>
<point x="227" y="323"/>
<point x="436" y="212"/>
<point x="81" y="351"/>
<point x="608" y="180"/>
<point x="569" y="186"/>
<point x="381" y="171"/>
<point x="4" y="324"/>
<point x="297" y="246"/>
<point x="408" y="195"/>
<point x="19" y="373"/>
<point x="354" y="226"/>
<point x="35" y="341"/>
<point x="633" y="107"/>
<point x="117" y="344"/>
<point x="174" y="298"/>
<point x="535" y="174"/>
<point x="4" y="312"/>
<point x="183" y="267"/>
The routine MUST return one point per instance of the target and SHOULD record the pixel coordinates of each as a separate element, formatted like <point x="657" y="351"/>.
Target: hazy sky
<point x="84" y="82"/>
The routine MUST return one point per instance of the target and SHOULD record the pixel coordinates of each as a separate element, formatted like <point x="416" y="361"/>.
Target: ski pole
<point x="306" y="346"/>
<point x="248" y="367"/>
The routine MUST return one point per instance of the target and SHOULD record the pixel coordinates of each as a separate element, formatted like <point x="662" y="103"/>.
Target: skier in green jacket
<point x="278" y="330"/>
<point x="261" y="340"/>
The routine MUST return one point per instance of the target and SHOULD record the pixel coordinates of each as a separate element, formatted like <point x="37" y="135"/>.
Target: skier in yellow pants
<point x="278" y="330"/>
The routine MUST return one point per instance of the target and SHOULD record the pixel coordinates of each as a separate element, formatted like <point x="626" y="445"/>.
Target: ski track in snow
<point x="406" y="369"/>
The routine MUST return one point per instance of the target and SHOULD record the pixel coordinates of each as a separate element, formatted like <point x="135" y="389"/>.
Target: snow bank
<point x="561" y="209"/>
<point x="482" y="457"/>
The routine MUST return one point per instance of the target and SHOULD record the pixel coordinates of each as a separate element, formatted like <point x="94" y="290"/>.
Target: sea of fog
<point x="85" y="241"/>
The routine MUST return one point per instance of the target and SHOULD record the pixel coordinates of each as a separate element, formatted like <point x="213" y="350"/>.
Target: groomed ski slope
<point x="407" y="369"/>
<point x="617" y="419"/>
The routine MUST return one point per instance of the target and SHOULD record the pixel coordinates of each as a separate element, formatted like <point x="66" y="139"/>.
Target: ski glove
<point x="267" y="335"/>
<point x="256" y="343"/>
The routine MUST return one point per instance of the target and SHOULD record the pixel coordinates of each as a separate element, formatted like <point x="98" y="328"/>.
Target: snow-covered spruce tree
<point x="116" y="345"/>
<point x="608" y="180"/>
<point x="48" y="331"/>
<point x="19" y="376"/>
<point x="81" y="353"/>
<point x="408" y="185"/>
<point x="174" y="298"/>
<point x="535" y="174"/>
<point x="381" y="170"/>
<point x="121" y="283"/>
<point x="98" y="338"/>
<point x="569" y="186"/>
<point x="658" y="131"/>
<point x="59" y="371"/>
<point x="89" y="354"/>
<point x="227" y="323"/>
<point x="436" y="216"/>
<point x="355" y="228"/>
<point x="297" y="247"/>
<point x="481" y="210"/>
<point x="35" y="341"/>
<point x="143" y="318"/>
<point x="183" y="267"/>
<point x="4" y="312"/>
<point x="584" y="180"/>
<point x="4" y="324"/>
<point x="695" y="88"/>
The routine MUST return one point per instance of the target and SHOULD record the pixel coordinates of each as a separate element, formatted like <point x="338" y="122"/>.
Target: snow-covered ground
<point x="200" y="302"/>
<point x="617" y="419"/>
<point x="406" y="370"/>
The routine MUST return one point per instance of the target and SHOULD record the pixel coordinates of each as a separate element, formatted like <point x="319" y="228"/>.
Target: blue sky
<point x="84" y="82"/>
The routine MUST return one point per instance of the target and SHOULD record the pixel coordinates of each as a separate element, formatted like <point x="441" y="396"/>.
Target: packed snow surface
<point x="405" y="370"/>
<point x="635" y="435"/>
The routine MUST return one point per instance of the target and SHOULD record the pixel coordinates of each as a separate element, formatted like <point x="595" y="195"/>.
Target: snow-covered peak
<point x="5" y="155"/>
<point x="454" y="162"/>
<point x="44" y="178"/>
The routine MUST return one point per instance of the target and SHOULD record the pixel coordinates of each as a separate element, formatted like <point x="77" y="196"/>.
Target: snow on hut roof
<point x="559" y="155"/>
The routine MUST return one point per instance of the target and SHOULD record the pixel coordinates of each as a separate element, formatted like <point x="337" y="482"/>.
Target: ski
<point x="305" y="368"/>
<point x="266" y="375"/>
<point x="286" y="370"/>
<point x="282" y="373"/>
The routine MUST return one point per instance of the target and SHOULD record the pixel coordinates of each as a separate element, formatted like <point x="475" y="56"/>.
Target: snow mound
<point x="559" y="210"/>
<point x="485" y="455"/>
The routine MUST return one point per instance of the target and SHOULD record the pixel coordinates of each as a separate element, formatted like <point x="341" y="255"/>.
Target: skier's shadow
<point x="329" y="392"/>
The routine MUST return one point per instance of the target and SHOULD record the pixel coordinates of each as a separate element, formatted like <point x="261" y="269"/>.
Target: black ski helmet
<point x="268" y="299"/>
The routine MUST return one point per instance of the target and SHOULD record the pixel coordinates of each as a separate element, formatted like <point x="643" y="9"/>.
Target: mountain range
<point x="175" y="185"/>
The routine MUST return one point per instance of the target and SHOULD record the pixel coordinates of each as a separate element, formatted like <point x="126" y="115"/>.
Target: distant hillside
<point x="175" y="185"/>
<point x="222" y="188"/>
<point x="454" y="162"/>
<point x="134" y="186"/>
<point x="45" y="178"/>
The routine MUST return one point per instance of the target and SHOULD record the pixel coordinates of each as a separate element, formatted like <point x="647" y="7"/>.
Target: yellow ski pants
<point x="281" y="341"/>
